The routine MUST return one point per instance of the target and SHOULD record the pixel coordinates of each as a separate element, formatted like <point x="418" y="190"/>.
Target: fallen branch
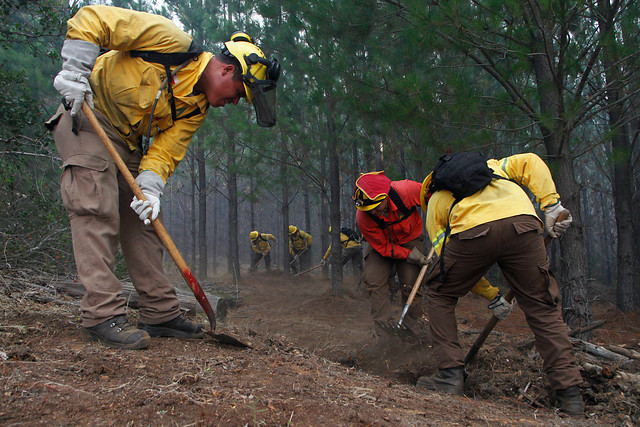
<point x="598" y="350"/>
<point x="572" y="333"/>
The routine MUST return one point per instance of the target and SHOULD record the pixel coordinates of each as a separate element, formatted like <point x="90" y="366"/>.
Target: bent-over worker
<point x="154" y="83"/>
<point x="498" y="224"/>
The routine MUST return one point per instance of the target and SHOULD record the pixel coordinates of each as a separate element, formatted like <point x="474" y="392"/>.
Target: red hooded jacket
<point x="387" y="241"/>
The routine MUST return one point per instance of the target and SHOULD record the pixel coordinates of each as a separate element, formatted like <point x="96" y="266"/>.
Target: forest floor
<point x="313" y="361"/>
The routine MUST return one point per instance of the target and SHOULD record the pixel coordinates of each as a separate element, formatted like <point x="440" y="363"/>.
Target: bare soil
<point x="313" y="361"/>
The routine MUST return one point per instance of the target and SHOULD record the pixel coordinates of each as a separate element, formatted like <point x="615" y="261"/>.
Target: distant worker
<point x="498" y="224"/>
<point x="389" y="221"/>
<point x="299" y="249"/>
<point x="351" y="250"/>
<point x="261" y="249"/>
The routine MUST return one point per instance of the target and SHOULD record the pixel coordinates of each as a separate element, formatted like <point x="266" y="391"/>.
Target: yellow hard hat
<point x="259" y="76"/>
<point x="425" y="195"/>
<point x="292" y="229"/>
<point x="371" y="189"/>
<point x="254" y="235"/>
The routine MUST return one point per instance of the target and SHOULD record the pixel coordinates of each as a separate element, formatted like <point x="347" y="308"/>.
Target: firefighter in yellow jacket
<point x="153" y="83"/>
<point x="351" y="250"/>
<point x="299" y="249"/>
<point x="261" y="245"/>
<point x="498" y="224"/>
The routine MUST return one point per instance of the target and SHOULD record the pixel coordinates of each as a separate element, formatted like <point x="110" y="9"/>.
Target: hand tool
<point x="398" y="328"/>
<point x="162" y="233"/>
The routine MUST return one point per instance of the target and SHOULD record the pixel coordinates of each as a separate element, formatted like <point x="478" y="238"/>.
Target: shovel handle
<point x="509" y="297"/>
<point x="159" y="228"/>
<point x="416" y="286"/>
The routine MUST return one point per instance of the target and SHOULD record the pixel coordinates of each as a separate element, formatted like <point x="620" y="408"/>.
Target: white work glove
<point x="323" y="262"/>
<point x="416" y="257"/>
<point x="500" y="307"/>
<point x="73" y="81"/>
<point x="152" y="187"/>
<point x="551" y="224"/>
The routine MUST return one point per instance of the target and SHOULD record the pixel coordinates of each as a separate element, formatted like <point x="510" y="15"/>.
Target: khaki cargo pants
<point x="516" y="245"/>
<point x="97" y="200"/>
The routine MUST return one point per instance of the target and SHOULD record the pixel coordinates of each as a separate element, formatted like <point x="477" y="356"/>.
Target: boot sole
<point x="142" y="343"/>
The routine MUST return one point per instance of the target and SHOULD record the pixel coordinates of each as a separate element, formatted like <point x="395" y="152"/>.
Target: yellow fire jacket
<point x="500" y="199"/>
<point x="345" y="242"/>
<point x="261" y="245"/>
<point x="299" y="241"/>
<point x="125" y="87"/>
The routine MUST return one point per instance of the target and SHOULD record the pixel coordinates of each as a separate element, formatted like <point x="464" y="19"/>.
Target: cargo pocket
<point x="84" y="186"/>
<point x="551" y="295"/>
<point x="477" y="231"/>
<point x="527" y="224"/>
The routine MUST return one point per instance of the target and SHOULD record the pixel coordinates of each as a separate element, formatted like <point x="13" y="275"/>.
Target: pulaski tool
<point x="162" y="233"/>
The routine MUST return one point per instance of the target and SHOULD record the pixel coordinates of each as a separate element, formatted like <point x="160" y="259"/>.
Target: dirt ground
<point x="313" y="361"/>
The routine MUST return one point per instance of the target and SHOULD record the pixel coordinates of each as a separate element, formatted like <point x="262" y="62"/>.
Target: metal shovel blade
<point x="227" y="339"/>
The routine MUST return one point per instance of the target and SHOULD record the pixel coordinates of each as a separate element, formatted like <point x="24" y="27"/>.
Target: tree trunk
<point x="202" y="209"/>
<point x="334" y="209"/>
<point x="627" y="292"/>
<point x="284" y="181"/>
<point x="192" y="223"/>
<point x="555" y="133"/>
<point x="232" y="186"/>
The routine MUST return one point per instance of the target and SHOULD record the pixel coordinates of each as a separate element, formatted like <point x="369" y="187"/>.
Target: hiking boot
<point x="449" y="380"/>
<point x="117" y="332"/>
<point x="569" y="401"/>
<point x="180" y="327"/>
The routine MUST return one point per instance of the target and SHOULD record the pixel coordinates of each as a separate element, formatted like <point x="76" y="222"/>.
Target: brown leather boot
<point x="449" y="380"/>
<point x="117" y="332"/>
<point x="569" y="401"/>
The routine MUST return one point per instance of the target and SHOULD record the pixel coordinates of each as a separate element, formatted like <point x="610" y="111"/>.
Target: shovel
<point x="398" y="328"/>
<point x="162" y="233"/>
<point x="509" y="297"/>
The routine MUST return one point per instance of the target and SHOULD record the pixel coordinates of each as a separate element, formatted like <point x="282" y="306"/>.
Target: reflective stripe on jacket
<point x="125" y="87"/>
<point x="500" y="199"/>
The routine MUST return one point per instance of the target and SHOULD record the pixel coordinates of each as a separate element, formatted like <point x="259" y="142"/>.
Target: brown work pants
<point x="517" y="246"/>
<point x="97" y="199"/>
<point x="377" y="269"/>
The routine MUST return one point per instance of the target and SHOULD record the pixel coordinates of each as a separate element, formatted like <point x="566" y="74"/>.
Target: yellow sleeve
<point x="123" y="29"/>
<point x="484" y="289"/>
<point x="530" y="170"/>
<point x="326" y="254"/>
<point x="170" y="146"/>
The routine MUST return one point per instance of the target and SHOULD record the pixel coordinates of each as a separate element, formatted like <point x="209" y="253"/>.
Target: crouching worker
<point x="498" y="224"/>
<point x="261" y="245"/>
<point x="153" y="83"/>
<point x="388" y="218"/>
